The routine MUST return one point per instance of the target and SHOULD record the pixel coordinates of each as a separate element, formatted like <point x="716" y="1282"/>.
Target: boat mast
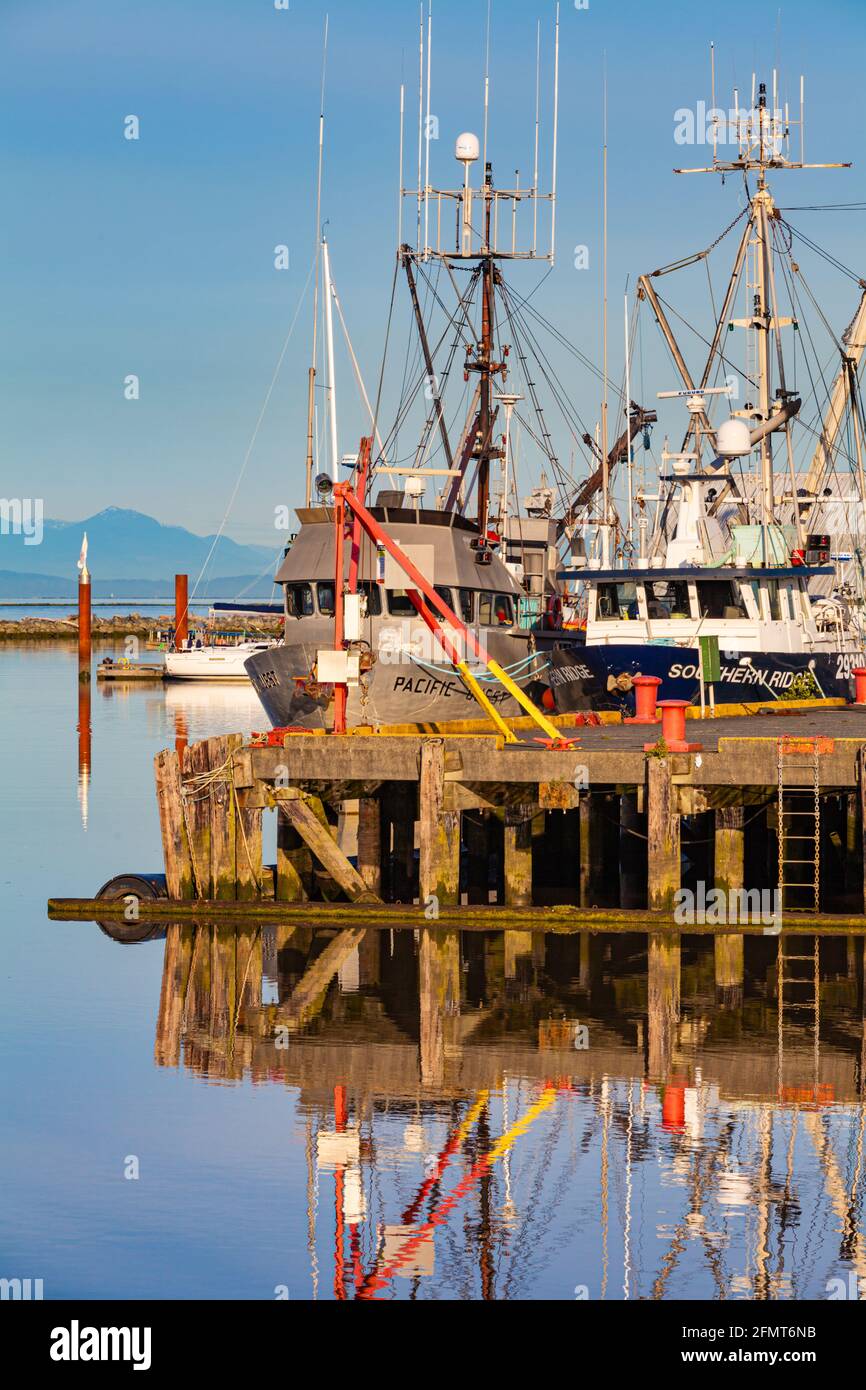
<point x="762" y="137"/>
<point x="606" y="517"/>
<point x="480" y="247"/>
<point x="763" y="325"/>
<point x="484" y="361"/>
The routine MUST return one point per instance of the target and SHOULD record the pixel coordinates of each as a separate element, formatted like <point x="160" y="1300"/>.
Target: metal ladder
<point x="799" y="839"/>
<point x="799" y="824"/>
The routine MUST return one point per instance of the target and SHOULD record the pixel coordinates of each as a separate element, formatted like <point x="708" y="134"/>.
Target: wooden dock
<point x="130" y="671"/>
<point x="467" y="821"/>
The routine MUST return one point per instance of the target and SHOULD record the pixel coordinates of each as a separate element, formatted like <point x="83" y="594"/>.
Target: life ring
<point x="553" y="612"/>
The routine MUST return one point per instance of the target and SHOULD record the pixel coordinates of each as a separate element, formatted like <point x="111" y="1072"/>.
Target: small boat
<point x="215" y="654"/>
<point x="205" y="661"/>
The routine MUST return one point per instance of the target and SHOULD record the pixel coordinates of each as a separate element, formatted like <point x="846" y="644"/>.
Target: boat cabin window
<point x="373" y="598"/>
<point x="614" y="601"/>
<point x="774" y="600"/>
<point x="467" y="605"/>
<point x="668" y="600"/>
<point x="445" y="595"/>
<point x="299" y="600"/>
<point x="401" y="606"/>
<point x="719" y="598"/>
<point x="495" y="610"/>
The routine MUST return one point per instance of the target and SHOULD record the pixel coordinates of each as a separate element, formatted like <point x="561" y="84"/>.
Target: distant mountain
<point x="130" y="546"/>
<point x="28" y="588"/>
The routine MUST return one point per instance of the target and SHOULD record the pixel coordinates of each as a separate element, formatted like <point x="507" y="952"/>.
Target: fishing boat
<point x="494" y="573"/>
<point x="751" y="578"/>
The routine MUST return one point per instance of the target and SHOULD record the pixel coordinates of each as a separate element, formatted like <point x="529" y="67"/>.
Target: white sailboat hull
<point x="213" y="663"/>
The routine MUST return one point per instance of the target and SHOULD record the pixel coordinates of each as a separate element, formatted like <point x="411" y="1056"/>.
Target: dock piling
<point x="439" y="840"/>
<point x="729" y="877"/>
<point x="663" y="834"/>
<point x="291" y="857"/>
<point x="370" y="843"/>
<point x="181" y="609"/>
<point x="84" y="625"/>
<point x="175" y="844"/>
<point x="223" y="821"/>
<point x="518" y="855"/>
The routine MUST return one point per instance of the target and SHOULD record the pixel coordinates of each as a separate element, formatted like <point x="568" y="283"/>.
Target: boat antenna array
<point x="462" y="224"/>
<point x="761" y="134"/>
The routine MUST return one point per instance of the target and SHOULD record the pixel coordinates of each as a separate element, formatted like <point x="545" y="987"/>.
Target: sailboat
<point x="216" y="653"/>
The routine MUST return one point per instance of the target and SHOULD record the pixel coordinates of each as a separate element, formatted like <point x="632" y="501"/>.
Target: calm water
<point x="598" y="1118"/>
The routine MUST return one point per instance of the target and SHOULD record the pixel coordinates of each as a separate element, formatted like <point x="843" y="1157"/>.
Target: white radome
<point x="467" y="148"/>
<point x="733" y="439"/>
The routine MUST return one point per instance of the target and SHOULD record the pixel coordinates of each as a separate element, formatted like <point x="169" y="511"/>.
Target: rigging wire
<point x="819" y="250"/>
<point x="254" y="436"/>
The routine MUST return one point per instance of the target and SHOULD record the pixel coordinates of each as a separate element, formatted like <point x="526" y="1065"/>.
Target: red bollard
<point x="674" y="728"/>
<point x="646" y="689"/>
<point x="859" y="674"/>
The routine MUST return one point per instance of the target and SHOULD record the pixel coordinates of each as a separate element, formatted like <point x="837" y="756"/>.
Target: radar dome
<point x="733" y="439"/>
<point x="468" y="148"/>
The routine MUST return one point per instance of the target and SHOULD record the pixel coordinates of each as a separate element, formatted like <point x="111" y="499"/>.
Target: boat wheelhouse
<point x="746" y="609"/>
<point x="402" y="674"/>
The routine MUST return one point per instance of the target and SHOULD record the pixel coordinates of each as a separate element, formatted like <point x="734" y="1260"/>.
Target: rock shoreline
<point x="126" y="625"/>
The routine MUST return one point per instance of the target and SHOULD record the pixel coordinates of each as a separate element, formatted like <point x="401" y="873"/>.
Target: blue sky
<point x="155" y="257"/>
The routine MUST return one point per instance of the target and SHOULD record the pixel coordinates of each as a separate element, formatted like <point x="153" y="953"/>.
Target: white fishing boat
<point x="752" y="567"/>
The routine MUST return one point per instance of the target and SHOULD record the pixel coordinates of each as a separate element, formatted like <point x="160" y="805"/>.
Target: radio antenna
<point x="400" y="183"/>
<point x="420" y="113"/>
<point x="555" y="141"/>
<point x="311" y="400"/>
<point x="537" y="112"/>
<point x="487" y="82"/>
<point x="427" y="131"/>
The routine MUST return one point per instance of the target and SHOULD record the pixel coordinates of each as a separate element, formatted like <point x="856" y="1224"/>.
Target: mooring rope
<point x="198" y="788"/>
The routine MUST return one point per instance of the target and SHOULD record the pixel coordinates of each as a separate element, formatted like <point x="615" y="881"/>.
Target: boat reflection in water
<point x="515" y="1115"/>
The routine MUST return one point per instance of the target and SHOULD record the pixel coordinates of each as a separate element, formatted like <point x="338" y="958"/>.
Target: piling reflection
<point x="84" y="730"/>
<point x="478" y="1105"/>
